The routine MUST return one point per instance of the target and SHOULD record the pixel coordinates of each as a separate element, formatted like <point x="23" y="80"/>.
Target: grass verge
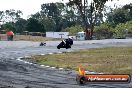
<point x="106" y="60"/>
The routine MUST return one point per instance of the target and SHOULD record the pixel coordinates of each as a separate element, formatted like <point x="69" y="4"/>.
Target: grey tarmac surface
<point x="15" y="73"/>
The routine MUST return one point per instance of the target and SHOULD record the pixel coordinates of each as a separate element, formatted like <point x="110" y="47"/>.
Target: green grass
<point x="106" y="60"/>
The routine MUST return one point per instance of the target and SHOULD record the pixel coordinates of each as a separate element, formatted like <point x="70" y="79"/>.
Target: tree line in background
<point x="73" y="17"/>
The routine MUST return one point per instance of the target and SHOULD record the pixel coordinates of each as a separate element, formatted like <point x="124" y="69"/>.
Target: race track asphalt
<point x="15" y="73"/>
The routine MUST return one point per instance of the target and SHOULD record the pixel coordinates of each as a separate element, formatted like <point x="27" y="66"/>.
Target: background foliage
<point x="109" y="23"/>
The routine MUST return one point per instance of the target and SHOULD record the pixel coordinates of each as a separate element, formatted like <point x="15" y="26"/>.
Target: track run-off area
<point x="16" y="73"/>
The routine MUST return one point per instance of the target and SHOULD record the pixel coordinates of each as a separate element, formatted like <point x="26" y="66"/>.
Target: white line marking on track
<point x="50" y="53"/>
<point x="53" y="67"/>
<point x="42" y="65"/>
<point x="61" y="68"/>
<point x="47" y="66"/>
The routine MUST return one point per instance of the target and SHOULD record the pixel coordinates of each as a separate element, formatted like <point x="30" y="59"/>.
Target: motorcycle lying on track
<point x="42" y="44"/>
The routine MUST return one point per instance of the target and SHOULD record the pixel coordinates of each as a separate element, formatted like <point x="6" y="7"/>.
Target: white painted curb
<point x="26" y="62"/>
